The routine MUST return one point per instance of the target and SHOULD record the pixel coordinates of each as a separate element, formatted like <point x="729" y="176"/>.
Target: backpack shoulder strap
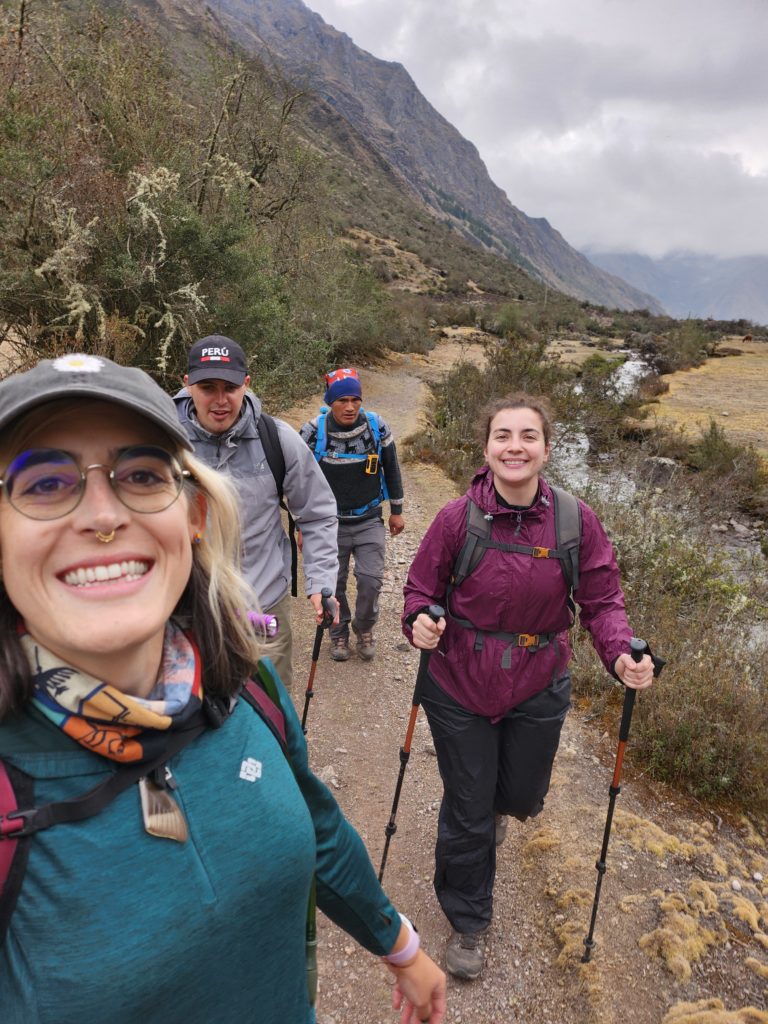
<point x="568" y="533"/>
<point x="375" y="427"/>
<point x="262" y="695"/>
<point x="373" y="423"/>
<point x="321" y="437"/>
<point x="273" y="452"/>
<point x="16" y="789"/>
<point x="478" y="531"/>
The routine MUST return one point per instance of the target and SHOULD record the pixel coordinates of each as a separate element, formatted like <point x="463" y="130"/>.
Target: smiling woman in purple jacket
<point x="498" y="687"/>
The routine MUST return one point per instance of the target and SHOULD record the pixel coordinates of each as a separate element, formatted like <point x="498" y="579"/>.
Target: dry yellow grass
<point x="412" y="274"/>
<point x="733" y="391"/>
<point x="713" y="1011"/>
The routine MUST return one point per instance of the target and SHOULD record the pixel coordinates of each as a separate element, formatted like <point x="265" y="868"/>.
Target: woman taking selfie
<point x="162" y="869"/>
<point x="498" y="687"/>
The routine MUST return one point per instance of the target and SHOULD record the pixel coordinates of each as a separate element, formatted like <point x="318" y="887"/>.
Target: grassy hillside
<point x="160" y="185"/>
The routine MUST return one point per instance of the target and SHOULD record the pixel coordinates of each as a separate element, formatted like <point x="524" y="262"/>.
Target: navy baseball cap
<point x="78" y="375"/>
<point x="217" y="358"/>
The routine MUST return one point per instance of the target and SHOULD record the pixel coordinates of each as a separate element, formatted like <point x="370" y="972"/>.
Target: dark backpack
<point x="273" y="452"/>
<point x="567" y="533"/>
<point x="478" y="541"/>
<point x="374" y="467"/>
<point x="20" y="819"/>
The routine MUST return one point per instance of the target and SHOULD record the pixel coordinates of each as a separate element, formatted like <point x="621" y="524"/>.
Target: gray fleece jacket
<point x="266" y="551"/>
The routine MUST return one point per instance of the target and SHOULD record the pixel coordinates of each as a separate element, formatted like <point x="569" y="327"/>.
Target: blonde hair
<point x="215" y="601"/>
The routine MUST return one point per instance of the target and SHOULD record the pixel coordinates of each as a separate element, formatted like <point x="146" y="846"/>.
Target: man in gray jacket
<point x="224" y="422"/>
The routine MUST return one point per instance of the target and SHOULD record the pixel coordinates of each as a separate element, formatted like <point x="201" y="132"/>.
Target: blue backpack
<point x="373" y="464"/>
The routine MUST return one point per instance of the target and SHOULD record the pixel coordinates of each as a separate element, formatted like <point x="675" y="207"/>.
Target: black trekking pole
<point x="638" y="648"/>
<point x="435" y="613"/>
<point x="328" y="613"/>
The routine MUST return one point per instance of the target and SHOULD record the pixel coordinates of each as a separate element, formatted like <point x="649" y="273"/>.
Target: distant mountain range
<point x="688" y="284"/>
<point x="426" y="154"/>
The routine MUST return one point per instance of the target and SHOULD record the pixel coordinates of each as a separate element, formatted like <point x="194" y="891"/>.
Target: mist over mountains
<point x="698" y="285"/>
<point x="431" y="159"/>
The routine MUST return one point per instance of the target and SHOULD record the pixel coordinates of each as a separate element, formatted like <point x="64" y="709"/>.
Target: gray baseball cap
<point x="85" y="376"/>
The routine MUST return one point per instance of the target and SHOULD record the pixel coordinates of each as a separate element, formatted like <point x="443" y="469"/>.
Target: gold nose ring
<point x="105" y="538"/>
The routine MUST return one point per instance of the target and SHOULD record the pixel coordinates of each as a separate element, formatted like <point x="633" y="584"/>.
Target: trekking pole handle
<point x="436" y="612"/>
<point x="637" y="651"/>
<point x="329" y="607"/>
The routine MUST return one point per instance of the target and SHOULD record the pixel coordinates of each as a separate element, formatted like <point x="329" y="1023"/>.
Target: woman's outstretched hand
<point x="426" y="632"/>
<point x="419" y="991"/>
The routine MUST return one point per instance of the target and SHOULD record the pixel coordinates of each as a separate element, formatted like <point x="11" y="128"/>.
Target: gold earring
<point x="197" y="538"/>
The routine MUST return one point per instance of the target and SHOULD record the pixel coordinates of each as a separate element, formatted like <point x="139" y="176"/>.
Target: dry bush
<point x="704" y="724"/>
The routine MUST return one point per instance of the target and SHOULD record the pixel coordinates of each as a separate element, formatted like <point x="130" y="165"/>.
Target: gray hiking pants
<point x="280" y="649"/>
<point x="487" y="769"/>
<point x="364" y="541"/>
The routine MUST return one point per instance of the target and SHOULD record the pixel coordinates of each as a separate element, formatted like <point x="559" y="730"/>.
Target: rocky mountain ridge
<point x="433" y="161"/>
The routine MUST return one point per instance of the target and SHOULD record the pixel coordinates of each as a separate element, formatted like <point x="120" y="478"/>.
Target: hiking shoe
<point x="502" y="820"/>
<point x="366" y="645"/>
<point x="340" y="648"/>
<point x="465" y="955"/>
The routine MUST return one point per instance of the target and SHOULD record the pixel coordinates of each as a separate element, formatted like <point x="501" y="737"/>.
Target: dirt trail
<point x="684" y="909"/>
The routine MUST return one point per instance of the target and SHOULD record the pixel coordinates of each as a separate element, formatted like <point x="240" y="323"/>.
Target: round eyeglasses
<point x="46" y="483"/>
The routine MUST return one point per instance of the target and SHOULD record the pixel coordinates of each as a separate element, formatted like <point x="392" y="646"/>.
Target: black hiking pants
<point x="487" y="769"/>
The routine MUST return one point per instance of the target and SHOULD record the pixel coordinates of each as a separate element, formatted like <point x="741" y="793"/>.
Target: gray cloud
<point x="629" y="124"/>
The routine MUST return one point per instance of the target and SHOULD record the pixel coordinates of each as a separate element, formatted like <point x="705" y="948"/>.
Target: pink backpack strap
<point x="7" y="826"/>
<point x="15" y="788"/>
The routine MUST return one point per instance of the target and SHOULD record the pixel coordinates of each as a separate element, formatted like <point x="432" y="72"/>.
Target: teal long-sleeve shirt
<point x="114" y="924"/>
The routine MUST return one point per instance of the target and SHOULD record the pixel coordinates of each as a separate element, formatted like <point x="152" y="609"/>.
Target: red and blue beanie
<point x="343" y="383"/>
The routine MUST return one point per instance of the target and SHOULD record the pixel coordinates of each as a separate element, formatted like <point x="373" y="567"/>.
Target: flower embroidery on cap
<point x="78" y="362"/>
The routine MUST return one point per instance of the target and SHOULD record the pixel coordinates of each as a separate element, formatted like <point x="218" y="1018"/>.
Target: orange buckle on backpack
<point x="528" y="639"/>
<point x="540" y="552"/>
<point x="372" y="465"/>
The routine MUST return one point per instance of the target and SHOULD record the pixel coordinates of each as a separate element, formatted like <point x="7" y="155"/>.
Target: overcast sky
<point x="638" y="125"/>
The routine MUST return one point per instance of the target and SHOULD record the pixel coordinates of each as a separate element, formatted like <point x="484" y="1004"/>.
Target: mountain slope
<point x="381" y="102"/>
<point x="690" y="284"/>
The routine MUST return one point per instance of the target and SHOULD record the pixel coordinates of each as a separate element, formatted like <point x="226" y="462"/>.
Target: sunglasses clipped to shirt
<point x="46" y="483"/>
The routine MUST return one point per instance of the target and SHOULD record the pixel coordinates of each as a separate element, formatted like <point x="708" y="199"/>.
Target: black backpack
<point x="478" y="541"/>
<point x="273" y="452"/>
<point x="567" y="533"/>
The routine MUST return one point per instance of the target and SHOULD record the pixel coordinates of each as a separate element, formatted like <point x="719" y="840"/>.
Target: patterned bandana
<point x="106" y="720"/>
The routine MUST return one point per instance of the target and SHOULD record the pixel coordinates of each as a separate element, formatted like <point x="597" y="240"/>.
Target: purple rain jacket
<point x="513" y="593"/>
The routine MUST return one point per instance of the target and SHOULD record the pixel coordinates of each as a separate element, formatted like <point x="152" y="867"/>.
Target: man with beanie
<point x="356" y="451"/>
<point x="230" y="433"/>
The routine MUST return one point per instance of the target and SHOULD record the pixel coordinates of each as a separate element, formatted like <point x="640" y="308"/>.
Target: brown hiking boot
<point x="366" y="645"/>
<point x="340" y="648"/>
<point x="465" y="955"/>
